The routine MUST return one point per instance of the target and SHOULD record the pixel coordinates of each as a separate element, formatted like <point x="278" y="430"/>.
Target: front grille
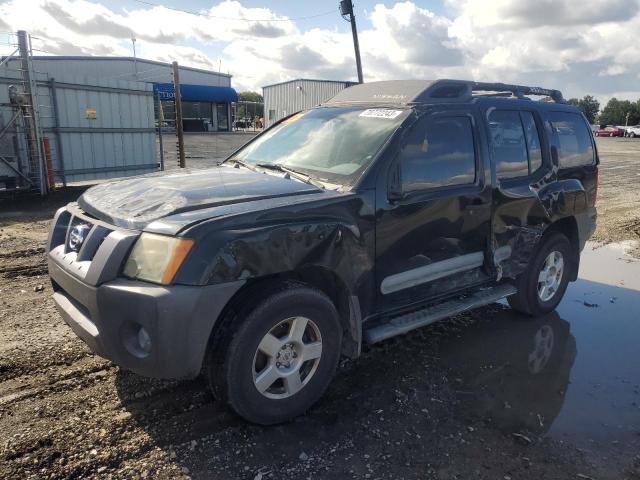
<point x="73" y="233"/>
<point x="76" y="240"/>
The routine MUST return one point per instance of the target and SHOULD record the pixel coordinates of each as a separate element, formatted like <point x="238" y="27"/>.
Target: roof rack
<point x="466" y="89"/>
<point x="411" y="92"/>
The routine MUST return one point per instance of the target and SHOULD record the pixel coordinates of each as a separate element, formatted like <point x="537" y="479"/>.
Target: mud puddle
<point x="572" y="375"/>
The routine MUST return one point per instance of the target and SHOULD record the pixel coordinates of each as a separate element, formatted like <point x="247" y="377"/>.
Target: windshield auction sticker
<point x="380" y="113"/>
<point x="292" y="118"/>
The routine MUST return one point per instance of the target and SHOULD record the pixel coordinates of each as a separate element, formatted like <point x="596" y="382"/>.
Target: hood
<point x="135" y="202"/>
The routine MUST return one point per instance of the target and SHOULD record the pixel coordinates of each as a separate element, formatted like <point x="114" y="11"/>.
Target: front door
<point x="432" y="223"/>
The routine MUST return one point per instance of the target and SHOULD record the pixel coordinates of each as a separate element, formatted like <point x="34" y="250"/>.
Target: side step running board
<point x="407" y="322"/>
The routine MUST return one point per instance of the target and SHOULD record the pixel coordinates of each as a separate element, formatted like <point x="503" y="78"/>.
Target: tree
<point x="615" y="112"/>
<point x="588" y="105"/>
<point x="255" y="109"/>
<point x="250" y="97"/>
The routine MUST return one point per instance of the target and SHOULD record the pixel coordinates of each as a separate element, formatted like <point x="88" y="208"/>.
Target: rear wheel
<point x="542" y="286"/>
<point x="281" y="356"/>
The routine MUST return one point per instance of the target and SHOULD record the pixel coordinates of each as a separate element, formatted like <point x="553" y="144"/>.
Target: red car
<point x="609" y="132"/>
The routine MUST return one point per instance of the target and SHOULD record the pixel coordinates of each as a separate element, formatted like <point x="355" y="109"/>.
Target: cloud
<point x="301" y="58"/>
<point x="261" y="30"/>
<point x="96" y="20"/>
<point x="574" y="45"/>
<point x="526" y="14"/>
<point x="418" y="35"/>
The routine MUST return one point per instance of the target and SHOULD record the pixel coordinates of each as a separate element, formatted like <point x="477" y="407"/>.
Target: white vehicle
<point x="632" y="132"/>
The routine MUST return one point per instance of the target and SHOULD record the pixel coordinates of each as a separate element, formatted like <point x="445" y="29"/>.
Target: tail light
<point x="594" y="198"/>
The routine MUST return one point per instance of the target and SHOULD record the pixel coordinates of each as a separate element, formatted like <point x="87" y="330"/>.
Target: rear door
<point x="433" y="214"/>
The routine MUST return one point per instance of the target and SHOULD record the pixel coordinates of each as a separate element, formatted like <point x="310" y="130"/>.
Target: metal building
<point x="206" y="95"/>
<point x="282" y="99"/>
<point x="70" y="119"/>
<point x="71" y="127"/>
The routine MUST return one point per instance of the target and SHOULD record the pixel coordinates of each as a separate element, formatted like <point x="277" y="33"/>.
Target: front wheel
<point x="542" y="286"/>
<point x="280" y="357"/>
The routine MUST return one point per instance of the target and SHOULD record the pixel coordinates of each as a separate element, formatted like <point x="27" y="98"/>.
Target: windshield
<point x="331" y="144"/>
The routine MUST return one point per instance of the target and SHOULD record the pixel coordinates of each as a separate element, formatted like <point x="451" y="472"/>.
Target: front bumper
<point x="107" y="311"/>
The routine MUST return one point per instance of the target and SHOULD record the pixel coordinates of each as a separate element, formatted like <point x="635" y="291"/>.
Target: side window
<point x="508" y="144"/>
<point x="438" y="152"/>
<point x="533" y="141"/>
<point x="574" y="137"/>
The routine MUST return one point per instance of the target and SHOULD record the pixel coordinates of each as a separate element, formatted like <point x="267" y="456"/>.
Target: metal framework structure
<point x="23" y="132"/>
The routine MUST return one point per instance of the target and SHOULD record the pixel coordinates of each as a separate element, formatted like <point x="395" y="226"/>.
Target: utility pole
<point x="178" y="101"/>
<point x="135" y="58"/>
<point x="346" y="8"/>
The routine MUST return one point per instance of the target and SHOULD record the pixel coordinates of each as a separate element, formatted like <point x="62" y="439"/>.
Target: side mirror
<point x="394" y="191"/>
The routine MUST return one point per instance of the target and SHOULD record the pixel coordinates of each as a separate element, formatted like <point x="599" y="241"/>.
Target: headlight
<point x="156" y="258"/>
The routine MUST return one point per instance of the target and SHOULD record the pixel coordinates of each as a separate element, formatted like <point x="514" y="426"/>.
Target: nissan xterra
<point x="388" y="207"/>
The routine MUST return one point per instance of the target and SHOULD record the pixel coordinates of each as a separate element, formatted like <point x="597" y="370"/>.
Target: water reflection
<point x="573" y="374"/>
<point x="514" y="371"/>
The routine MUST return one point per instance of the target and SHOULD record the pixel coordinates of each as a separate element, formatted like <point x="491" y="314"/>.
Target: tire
<point x="532" y="298"/>
<point x="632" y="135"/>
<point x="300" y="328"/>
<point x="611" y="135"/>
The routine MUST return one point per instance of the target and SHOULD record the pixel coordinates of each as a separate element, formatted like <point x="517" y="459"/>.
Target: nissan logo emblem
<point x="77" y="236"/>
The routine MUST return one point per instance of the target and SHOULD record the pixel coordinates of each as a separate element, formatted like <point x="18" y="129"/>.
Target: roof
<point x="410" y="92"/>
<point x="128" y="59"/>
<point x="344" y="82"/>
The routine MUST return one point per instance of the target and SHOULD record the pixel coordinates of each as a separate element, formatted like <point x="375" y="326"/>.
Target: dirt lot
<point x="450" y="401"/>
<point x="618" y="194"/>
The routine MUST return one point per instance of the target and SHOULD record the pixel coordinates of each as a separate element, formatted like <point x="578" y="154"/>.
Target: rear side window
<point x="515" y="143"/>
<point x="438" y="152"/>
<point x="508" y="144"/>
<point x="574" y="138"/>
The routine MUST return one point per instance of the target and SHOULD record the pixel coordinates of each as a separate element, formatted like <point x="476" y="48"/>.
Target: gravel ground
<point x="394" y="413"/>
<point x="618" y="192"/>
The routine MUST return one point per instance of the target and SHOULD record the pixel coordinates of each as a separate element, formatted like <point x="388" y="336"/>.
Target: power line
<point x="192" y="12"/>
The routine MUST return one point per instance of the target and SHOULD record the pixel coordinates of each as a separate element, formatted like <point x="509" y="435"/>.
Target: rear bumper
<point x="177" y="319"/>
<point x="586" y="222"/>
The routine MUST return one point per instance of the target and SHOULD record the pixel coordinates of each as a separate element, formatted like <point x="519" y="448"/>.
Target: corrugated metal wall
<point x="119" y="141"/>
<point x="286" y="98"/>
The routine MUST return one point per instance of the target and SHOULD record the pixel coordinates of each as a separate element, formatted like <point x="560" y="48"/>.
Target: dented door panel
<point x="525" y="208"/>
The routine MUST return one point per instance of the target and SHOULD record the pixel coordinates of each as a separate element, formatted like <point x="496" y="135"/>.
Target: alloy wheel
<point x="550" y="276"/>
<point x="287" y="357"/>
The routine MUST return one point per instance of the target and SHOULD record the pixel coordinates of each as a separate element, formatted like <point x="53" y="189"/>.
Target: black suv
<point x="391" y="206"/>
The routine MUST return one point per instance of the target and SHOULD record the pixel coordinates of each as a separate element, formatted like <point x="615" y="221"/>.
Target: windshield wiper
<point x="299" y="175"/>
<point x="239" y="163"/>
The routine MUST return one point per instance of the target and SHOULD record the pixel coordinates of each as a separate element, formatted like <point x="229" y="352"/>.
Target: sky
<point x="576" y="46"/>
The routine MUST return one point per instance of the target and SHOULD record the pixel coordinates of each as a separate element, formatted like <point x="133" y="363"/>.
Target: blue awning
<point x="197" y="93"/>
